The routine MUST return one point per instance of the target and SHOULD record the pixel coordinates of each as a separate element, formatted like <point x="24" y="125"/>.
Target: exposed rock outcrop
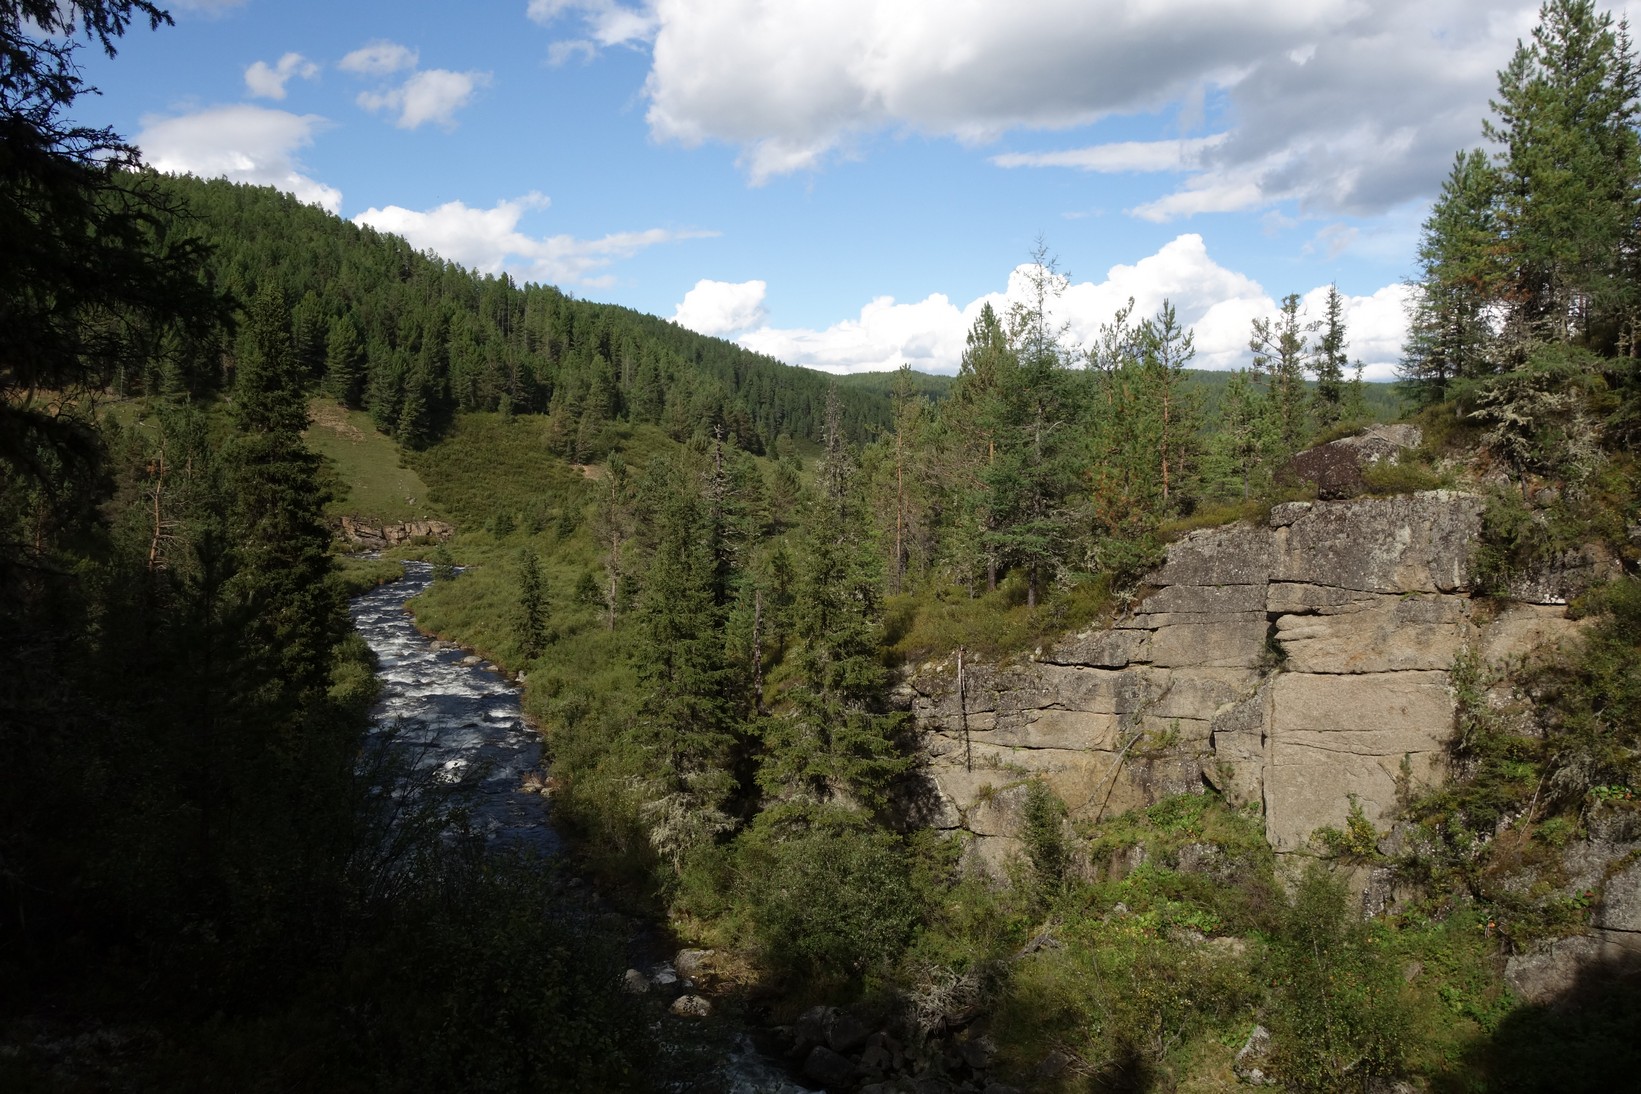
<point x="1335" y="468"/>
<point x="1294" y="666"/>
<point x="369" y="537"/>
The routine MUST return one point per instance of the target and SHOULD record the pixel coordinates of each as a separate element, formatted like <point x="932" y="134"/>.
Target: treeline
<point x="1047" y="460"/>
<point x="414" y="339"/>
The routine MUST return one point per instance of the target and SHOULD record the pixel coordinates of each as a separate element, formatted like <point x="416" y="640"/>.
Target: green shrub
<point x="1043" y="832"/>
<point x="828" y="899"/>
<point x="1338" y="1018"/>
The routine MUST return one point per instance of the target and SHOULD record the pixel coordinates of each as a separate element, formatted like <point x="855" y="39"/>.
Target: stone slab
<point x="1333" y="736"/>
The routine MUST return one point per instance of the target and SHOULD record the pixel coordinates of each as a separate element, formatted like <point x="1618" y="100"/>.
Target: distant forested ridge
<point x="414" y="339"/>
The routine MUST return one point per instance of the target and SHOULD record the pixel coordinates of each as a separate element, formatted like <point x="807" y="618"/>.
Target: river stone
<point x="691" y="1006"/>
<point x="1335" y="736"/>
<point x="847" y="1032"/>
<point x="694" y="964"/>
<point x="635" y="982"/>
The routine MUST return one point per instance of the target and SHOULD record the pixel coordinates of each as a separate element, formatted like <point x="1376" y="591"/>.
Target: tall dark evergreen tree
<point x="1329" y="360"/>
<point x="292" y="616"/>
<point x="689" y="716"/>
<point x="838" y="739"/>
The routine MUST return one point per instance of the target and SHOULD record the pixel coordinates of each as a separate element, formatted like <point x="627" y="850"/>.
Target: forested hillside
<point x="415" y="339"/>
<point x="710" y="571"/>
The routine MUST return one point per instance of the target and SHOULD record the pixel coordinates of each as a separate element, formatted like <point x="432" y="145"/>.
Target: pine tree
<point x="969" y="420"/>
<point x="1029" y="476"/>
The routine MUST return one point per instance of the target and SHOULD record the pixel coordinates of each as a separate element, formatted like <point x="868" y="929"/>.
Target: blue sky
<point x="843" y="183"/>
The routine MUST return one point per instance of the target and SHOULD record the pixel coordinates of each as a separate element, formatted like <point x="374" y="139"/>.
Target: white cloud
<point x="1218" y="304"/>
<point x="1120" y="156"/>
<point x="489" y="240"/>
<point x="430" y="96"/>
<point x="606" y="22"/>
<point x="928" y="335"/>
<point x="720" y="308"/>
<point x="243" y="143"/>
<point x="1336" y="105"/>
<point x="379" y="58"/>
<point x="268" y="81"/>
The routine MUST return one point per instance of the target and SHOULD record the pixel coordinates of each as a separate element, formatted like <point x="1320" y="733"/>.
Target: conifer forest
<point x="743" y="602"/>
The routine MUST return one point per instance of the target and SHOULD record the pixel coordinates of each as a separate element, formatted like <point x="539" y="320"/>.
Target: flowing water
<point x="453" y="719"/>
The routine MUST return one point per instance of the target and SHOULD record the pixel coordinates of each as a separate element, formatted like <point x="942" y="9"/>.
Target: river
<point x="453" y="719"/>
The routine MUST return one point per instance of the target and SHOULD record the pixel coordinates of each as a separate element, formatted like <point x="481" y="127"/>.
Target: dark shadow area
<point x="1587" y="1040"/>
<point x="1129" y="1073"/>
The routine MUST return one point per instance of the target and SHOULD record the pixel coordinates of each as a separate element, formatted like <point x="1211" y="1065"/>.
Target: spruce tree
<point x="1329" y="361"/>
<point x="1281" y="348"/>
<point x="688" y="717"/>
<point x="292" y="615"/>
<point x="530" y="624"/>
<point x="1569" y="170"/>
<point x="838" y="739"/>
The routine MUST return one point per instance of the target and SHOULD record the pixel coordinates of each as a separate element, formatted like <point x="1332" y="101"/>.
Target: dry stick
<point x="1111" y="777"/>
<point x="963" y="713"/>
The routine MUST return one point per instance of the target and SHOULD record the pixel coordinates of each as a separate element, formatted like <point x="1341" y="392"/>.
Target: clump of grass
<point x="992" y="626"/>
<point x="1405" y="476"/>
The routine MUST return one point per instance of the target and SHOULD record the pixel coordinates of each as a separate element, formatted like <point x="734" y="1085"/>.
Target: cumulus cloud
<point x="379" y="58"/>
<point x="433" y="95"/>
<point x="928" y="335"/>
<point x="1339" y="106"/>
<point x="489" y="240"/>
<point x="429" y="95"/>
<point x="244" y="143"/>
<point x="1217" y="303"/>
<point x="268" y="81"/>
<point x="720" y="308"/>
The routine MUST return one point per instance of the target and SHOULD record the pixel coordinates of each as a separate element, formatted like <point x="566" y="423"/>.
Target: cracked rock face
<point x="1289" y="666"/>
